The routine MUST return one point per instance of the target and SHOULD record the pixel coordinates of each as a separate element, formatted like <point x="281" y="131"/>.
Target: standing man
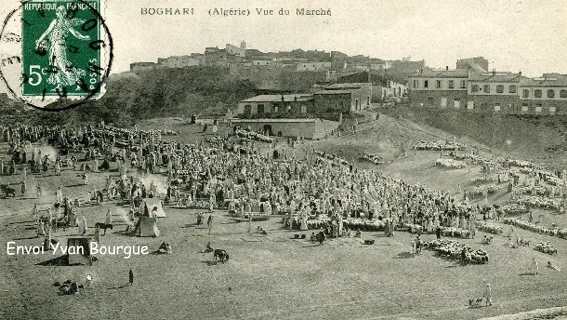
<point x="488" y="294"/>
<point x="131" y="277"/>
<point x="210" y="222"/>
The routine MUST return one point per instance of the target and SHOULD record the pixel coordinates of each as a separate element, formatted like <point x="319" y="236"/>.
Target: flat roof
<point x="333" y="92"/>
<point x="278" y="98"/>
<point x="456" y="73"/>
<point x="280" y="120"/>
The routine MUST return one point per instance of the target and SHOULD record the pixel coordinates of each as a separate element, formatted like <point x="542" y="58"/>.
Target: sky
<point x="514" y="35"/>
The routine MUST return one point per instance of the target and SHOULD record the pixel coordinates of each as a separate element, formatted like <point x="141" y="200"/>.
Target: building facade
<point x="544" y="95"/>
<point x="443" y="89"/>
<point x="276" y="104"/>
<point x="179" y="61"/>
<point x="314" y="66"/>
<point x="496" y="92"/>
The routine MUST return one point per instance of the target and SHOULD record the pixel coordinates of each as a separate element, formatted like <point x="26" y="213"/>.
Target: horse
<point x="103" y="226"/>
<point x="221" y="254"/>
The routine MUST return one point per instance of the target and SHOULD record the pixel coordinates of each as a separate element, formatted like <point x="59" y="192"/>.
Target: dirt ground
<point x="268" y="276"/>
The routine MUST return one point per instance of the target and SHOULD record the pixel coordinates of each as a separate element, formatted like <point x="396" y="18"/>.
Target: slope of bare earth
<point x="273" y="276"/>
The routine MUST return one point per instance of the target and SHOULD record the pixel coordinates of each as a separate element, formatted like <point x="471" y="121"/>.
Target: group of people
<point x="253" y="181"/>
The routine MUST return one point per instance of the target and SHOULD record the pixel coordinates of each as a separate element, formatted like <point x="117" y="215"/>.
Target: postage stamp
<point x="65" y="53"/>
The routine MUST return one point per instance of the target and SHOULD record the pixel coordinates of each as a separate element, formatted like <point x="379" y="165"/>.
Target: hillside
<point x="541" y="139"/>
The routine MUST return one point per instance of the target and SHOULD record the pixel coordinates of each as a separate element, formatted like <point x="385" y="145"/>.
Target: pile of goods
<point x="351" y="223"/>
<point x="515" y="209"/>
<point x="455" y="232"/>
<point x="331" y="157"/>
<point x="450" y="164"/>
<point x="545" y="247"/>
<point x="413" y="228"/>
<point x="254" y="136"/>
<point x="454" y="250"/>
<point x="534" y="191"/>
<point x="531" y="227"/>
<point x="364" y="224"/>
<point x="489" y="227"/>
<point x="479" y="191"/>
<point x="483" y="180"/>
<point x="445" y="231"/>
<point x="318" y="223"/>
<point x="540" y="202"/>
<point x="518" y="163"/>
<point x="438" y="146"/>
<point x="374" y="158"/>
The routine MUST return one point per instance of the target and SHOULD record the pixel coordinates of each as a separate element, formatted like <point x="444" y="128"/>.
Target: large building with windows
<point x="475" y="90"/>
<point x="493" y="91"/>
<point x="335" y="98"/>
<point x="446" y="88"/>
<point x="547" y="95"/>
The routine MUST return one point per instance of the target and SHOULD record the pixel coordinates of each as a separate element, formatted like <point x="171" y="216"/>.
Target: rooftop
<point x="544" y="82"/>
<point x="333" y="92"/>
<point x="456" y="73"/>
<point x="278" y="98"/>
<point x="497" y="77"/>
<point x="345" y="86"/>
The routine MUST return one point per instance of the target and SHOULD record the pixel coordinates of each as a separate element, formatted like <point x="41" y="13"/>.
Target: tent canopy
<point x="79" y="256"/>
<point x="153" y="208"/>
<point x="147" y="227"/>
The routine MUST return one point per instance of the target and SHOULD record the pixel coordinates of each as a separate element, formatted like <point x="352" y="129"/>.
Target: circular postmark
<point x="57" y="54"/>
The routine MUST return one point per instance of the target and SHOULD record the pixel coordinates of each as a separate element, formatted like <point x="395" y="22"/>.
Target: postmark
<point x="64" y="56"/>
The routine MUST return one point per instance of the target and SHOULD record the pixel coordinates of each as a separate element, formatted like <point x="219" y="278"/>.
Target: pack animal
<point x="220" y="255"/>
<point x="103" y="226"/>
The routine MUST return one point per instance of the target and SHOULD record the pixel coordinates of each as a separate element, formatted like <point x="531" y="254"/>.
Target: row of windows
<point x="499" y="88"/>
<point x="438" y="84"/>
<point x="549" y="93"/>
<point x="276" y="109"/>
<point x="538" y="108"/>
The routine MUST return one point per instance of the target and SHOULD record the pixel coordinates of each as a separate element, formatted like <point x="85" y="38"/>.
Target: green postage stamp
<point x="65" y="52"/>
<point x="61" y="48"/>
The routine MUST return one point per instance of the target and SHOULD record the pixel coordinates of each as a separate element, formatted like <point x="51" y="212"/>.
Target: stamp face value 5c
<point x="61" y="48"/>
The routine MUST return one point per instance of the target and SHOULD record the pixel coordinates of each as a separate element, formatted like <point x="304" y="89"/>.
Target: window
<point x="303" y="108"/>
<point x="537" y="93"/>
<point x="443" y="102"/>
<point x="470" y="105"/>
<point x="260" y="108"/>
<point x="430" y="100"/>
<point x="438" y="84"/>
<point x="512" y="88"/>
<point x="457" y="103"/>
<point x="451" y="84"/>
<point x="463" y="84"/>
<point x="524" y="107"/>
<point x="538" y="108"/>
<point x="497" y="108"/>
<point x="526" y="93"/>
<point x="426" y="83"/>
<point x="276" y="109"/>
<point x="474" y="88"/>
<point x="551" y="93"/>
<point x="486" y="88"/>
<point x="500" y="88"/>
<point x="551" y="109"/>
<point x="563" y="93"/>
<point x="415" y="84"/>
<point x="247" y="109"/>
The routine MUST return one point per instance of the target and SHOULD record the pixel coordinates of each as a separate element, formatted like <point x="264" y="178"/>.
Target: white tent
<point x="153" y="208"/>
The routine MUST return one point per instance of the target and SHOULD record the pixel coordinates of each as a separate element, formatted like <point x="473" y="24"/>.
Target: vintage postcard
<point x="249" y="159"/>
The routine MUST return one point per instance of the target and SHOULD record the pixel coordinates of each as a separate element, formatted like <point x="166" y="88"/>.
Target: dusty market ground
<point x="268" y="277"/>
